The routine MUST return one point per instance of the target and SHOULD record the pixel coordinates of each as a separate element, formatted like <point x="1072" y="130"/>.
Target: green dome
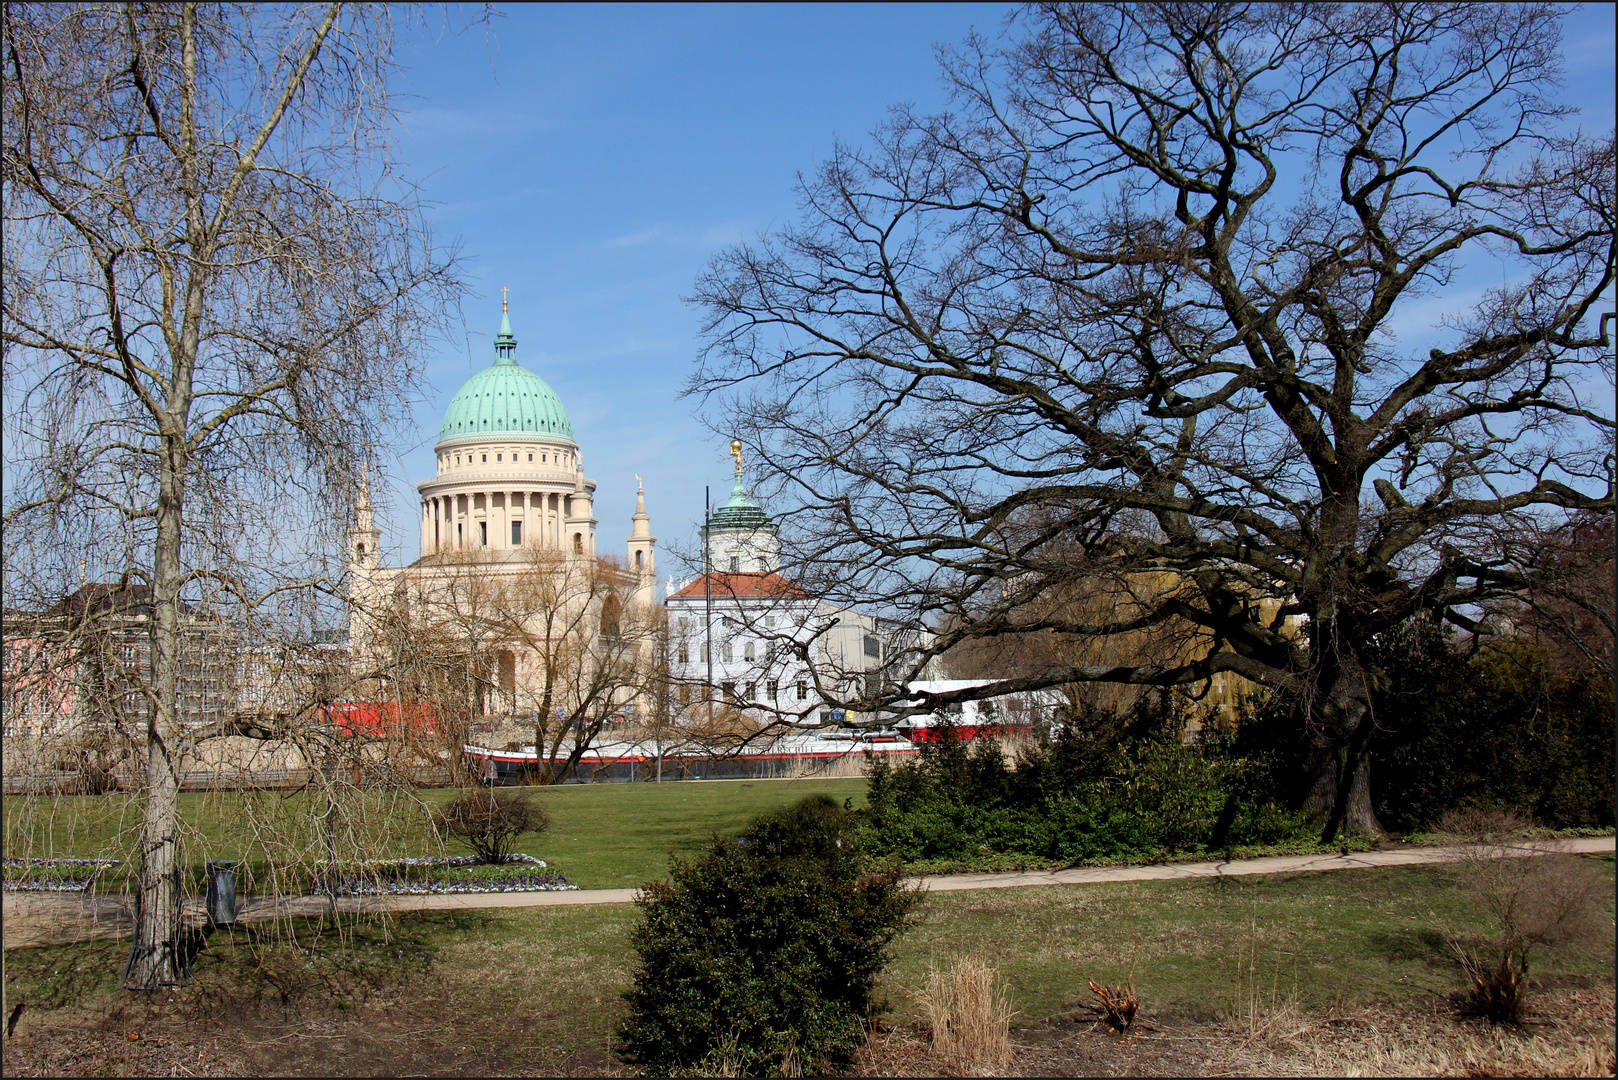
<point x="505" y="399"/>
<point x="740" y="512"/>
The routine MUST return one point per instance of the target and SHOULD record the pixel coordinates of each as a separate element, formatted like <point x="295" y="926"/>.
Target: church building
<point x="509" y="505"/>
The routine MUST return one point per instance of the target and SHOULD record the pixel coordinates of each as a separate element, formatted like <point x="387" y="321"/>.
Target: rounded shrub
<point x="489" y="822"/>
<point x="760" y="956"/>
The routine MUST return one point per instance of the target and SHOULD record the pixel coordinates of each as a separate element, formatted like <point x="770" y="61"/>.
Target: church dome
<point x="740" y="512"/>
<point x="505" y="399"/>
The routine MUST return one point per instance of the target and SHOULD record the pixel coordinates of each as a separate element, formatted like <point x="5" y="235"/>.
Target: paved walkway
<point x="44" y="918"/>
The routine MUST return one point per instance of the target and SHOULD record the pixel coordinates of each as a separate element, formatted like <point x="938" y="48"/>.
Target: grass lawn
<point x="602" y="836"/>
<point x="537" y="990"/>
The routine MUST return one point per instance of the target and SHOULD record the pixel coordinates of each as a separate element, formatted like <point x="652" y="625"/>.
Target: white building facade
<point x="743" y="635"/>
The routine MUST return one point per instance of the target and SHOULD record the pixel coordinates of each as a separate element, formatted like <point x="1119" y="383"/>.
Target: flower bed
<point x="54" y="875"/>
<point x="445" y="874"/>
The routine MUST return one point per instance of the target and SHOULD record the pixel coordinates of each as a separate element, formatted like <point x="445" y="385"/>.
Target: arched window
<point x="612" y="610"/>
<point x="640" y="560"/>
<point x="578" y="543"/>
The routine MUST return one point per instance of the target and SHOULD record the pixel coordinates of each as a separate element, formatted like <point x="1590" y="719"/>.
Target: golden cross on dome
<point x="503" y="291"/>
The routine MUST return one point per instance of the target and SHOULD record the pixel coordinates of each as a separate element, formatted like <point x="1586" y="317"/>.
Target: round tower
<point x="738" y="537"/>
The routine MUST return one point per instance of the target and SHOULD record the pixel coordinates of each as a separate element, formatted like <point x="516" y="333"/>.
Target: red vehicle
<point x="964" y="732"/>
<point x="381" y="717"/>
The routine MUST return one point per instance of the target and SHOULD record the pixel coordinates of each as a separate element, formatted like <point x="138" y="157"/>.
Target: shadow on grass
<point x="1416" y="944"/>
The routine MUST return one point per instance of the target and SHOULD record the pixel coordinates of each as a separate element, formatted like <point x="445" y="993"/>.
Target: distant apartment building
<point x="88" y="661"/>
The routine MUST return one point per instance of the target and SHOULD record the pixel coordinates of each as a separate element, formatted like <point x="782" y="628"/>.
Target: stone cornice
<point x="555" y="481"/>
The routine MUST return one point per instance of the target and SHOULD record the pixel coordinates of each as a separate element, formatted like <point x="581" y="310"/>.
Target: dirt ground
<point x="182" y="1034"/>
<point x="1572" y="1035"/>
<point x="192" y="1033"/>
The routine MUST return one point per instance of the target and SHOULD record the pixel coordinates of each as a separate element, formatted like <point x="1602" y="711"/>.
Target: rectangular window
<point x="516" y="533"/>
<point x="485" y="458"/>
<point x="803" y="691"/>
<point x="735" y="564"/>
<point x="530" y="459"/>
<point x="749" y="691"/>
<point x="729" y="690"/>
<point x="704" y="652"/>
<point x="499" y="457"/>
<point x="775" y="690"/>
<point x="685" y="694"/>
<point x="873" y="647"/>
<point x="747" y="651"/>
<point x="483" y="533"/>
<point x="685" y="653"/>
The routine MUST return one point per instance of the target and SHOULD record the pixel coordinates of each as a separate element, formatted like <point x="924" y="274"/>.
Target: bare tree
<point x="552" y="642"/>
<point x="1569" y="585"/>
<point x="1192" y="289"/>
<point x="216" y="289"/>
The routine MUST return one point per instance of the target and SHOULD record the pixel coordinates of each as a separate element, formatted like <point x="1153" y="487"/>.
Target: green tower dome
<point x="505" y="399"/>
<point x="740" y="512"/>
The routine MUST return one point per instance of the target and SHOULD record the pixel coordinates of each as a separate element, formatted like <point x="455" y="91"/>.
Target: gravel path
<point x="45" y="918"/>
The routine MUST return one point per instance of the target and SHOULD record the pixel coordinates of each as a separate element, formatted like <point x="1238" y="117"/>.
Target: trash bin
<point x="222" y="893"/>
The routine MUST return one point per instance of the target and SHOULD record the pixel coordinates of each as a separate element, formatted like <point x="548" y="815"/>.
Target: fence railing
<point x="68" y="782"/>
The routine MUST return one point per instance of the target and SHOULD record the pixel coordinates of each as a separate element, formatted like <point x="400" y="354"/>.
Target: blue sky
<point x="593" y="158"/>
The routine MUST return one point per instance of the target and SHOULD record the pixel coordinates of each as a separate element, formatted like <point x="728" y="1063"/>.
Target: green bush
<point x="761" y="955"/>
<point x="1509" y="728"/>
<point x="1108" y="788"/>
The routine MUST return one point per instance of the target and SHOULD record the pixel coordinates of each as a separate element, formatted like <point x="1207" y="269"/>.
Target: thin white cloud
<point x="629" y="240"/>
<point x="726" y="232"/>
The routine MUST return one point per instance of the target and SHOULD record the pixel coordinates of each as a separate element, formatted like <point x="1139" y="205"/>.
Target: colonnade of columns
<point x="484" y="520"/>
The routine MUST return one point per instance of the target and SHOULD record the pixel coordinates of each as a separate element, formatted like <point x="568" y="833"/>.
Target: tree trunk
<point x="1339" y="761"/>
<point x="154" y="959"/>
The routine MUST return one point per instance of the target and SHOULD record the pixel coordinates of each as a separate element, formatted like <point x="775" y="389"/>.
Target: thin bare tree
<point x="1193" y="289"/>
<point x="216" y="293"/>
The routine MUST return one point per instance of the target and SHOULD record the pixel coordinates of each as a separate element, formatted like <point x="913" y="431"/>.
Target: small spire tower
<point x="643" y="550"/>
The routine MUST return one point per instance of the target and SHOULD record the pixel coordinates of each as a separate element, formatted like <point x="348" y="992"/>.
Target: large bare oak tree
<point x="1297" y="303"/>
<point x="216" y="291"/>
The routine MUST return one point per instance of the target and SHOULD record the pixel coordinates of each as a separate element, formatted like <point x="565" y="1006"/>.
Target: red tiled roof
<point x="743" y="586"/>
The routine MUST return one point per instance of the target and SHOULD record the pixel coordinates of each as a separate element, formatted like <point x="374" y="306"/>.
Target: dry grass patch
<point x="1574" y="1039"/>
<point x="1265" y="1008"/>
<point x="969" y="1018"/>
